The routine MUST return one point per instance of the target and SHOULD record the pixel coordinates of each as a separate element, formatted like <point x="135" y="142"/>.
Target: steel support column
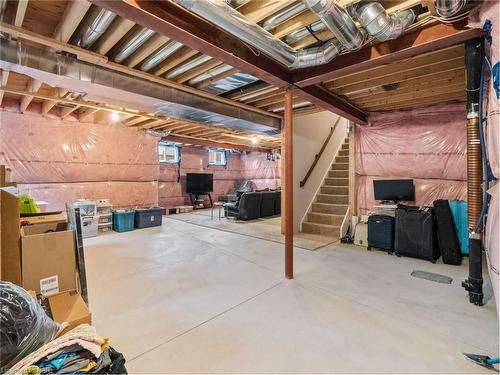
<point x="288" y="178"/>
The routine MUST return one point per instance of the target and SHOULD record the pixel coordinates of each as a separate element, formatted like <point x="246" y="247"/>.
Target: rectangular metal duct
<point x="107" y="86"/>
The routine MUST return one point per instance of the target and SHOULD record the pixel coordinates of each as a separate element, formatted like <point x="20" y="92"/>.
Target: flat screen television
<point x="394" y="190"/>
<point x="199" y="183"/>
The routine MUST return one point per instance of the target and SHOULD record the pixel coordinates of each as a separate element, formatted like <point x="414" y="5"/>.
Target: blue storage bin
<point x="148" y="217"/>
<point x="123" y="221"/>
<point x="459" y="214"/>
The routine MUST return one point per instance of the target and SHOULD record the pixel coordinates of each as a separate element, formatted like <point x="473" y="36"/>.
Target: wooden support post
<point x="288" y="179"/>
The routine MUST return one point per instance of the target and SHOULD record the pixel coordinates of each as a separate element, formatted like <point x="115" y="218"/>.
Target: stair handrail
<point x="318" y="155"/>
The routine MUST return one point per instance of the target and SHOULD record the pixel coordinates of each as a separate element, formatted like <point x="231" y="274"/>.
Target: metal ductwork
<point x="339" y="22"/>
<point x="188" y="66"/>
<point x="232" y="82"/>
<point x="132" y="44"/>
<point x="211" y="73"/>
<point x="304" y="32"/>
<point x="160" y="55"/>
<point x="284" y="15"/>
<point x="380" y="25"/>
<point x="222" y="15"/>
<point x="102" y="85"/>
<point x="449" y="8"/>
<point x="97" y="23"/>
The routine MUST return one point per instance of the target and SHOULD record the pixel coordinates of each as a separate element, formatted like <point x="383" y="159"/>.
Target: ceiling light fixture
<point x="255" y="140"/>
<point x="115" y="116"/>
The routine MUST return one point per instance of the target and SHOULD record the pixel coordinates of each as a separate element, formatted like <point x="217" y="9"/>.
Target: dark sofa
<point x="254" y="205"/>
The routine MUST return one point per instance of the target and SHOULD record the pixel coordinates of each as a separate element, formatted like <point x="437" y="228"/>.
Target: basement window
<point x="168" y="153"/>
<point x="217" y="157"/>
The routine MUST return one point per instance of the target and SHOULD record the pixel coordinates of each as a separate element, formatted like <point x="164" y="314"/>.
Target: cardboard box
<point x="48" y="258"/>
<point x="69" y="307"/>
<point x="44" y="219"/>
<point x="10" y="252"/>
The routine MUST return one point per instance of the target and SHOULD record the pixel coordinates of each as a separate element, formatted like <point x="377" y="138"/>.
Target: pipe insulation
<point x="380" y="25"/>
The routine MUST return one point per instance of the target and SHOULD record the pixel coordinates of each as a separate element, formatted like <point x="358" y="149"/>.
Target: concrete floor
<point x="182" y="298"/>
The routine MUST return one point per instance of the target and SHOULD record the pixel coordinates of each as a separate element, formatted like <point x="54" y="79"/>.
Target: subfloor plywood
<point x="183" y="298"/>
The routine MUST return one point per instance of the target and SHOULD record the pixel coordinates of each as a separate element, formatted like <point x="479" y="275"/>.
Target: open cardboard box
<point x="69" y="307"/>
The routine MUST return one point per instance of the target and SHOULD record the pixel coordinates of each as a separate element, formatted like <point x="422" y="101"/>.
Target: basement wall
<point x="249" y="166"/>
<point x="426" y="144"/>
<point x="57" y="161"/>
<point x="309" y="133"/>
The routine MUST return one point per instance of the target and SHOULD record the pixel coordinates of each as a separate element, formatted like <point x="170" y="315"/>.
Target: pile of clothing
<point x="31" y="343"/>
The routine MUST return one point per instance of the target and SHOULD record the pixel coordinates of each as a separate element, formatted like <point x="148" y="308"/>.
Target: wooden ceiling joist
<point x="47" y="105"/>
<point x="86" y="114"/>
<point x="4" y="79"/>
<point x="22" y="5"/>
<point x="73" y="14"/>
<point x="118" y="29"/>
<point x="33" y="86"/>
<point x="411" y="44"/>
<point x="146" y="49"/>
<point x="209" y="143"/>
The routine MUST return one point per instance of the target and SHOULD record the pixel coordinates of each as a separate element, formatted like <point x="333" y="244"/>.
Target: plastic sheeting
<point x="423" y="143"/>
<point x="426" y="191"/>
<point x="490" y="10"/>
<point x="492" y="241"/>
<point x="427" y="144"/>
<point x="24" y="325"/>
<point x="44" y="150"/>
<point x="252" y="166"/>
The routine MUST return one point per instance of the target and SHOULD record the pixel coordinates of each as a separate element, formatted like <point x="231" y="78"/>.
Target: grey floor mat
<point x="432" y="277"/>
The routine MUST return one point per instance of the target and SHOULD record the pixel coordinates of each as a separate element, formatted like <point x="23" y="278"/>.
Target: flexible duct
<point x="339" y="22"/>
<point x="225" y="17"/>
<point x="380" y="25"/>
<point x="448" y="8"/>
<point x="98" y="23"/>
<point x="188" y="66"/>
<point x="160" y="55"/>
<point x="132" y="44"/>
<point x="211" y="73"/>
<point x="284" y="15"/>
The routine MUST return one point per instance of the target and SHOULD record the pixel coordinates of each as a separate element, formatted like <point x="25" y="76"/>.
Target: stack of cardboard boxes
<point x="41" y="256"/>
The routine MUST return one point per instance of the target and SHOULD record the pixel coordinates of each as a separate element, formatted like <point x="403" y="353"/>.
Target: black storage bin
<point x="381" y="232"/>
<point x="415" y="235"/>
<point x="447" y="238"/>
<point x="148" y="217"/>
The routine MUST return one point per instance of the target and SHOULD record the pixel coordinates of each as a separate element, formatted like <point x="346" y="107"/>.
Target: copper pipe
<point x="288" y="214"/>
<point x="474" y="170"/>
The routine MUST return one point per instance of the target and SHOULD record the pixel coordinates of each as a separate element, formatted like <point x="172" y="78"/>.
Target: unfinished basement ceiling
<point x="119" y="43"/>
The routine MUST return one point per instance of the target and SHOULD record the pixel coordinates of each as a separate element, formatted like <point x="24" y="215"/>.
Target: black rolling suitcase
<point x="415" y="233"/>
<point x="446" y="234"/>
<point x="381" y="232"/>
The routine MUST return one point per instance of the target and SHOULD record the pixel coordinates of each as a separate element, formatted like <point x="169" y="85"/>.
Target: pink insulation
<point x="426" y="144"/>
<point x="253" y="166"/>
<point x="492" y="241"/>
<point x="42" y="150"/>
<point x="490" y="10"/>
<point x="426" y="191"/>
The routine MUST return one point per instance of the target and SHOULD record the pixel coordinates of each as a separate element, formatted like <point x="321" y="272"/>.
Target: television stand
<point x="195" y="199"/>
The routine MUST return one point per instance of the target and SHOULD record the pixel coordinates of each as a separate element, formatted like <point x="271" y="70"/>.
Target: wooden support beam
<point x="288" y="182"/>
<point x="3" y="80"/>
<point x="86" y="113"/>
<point x="210" y="143"/>
<point x="66" y="111"/>
<point x="411" y="44"/>
<point x="47" y="105"/>
<point x="33" y="86"/>
<point x="196" y="71"/>
<point x="112" y="36"/>
<point x="22" y="5"/>
<point x="178" y="57"/>
<point x="71" y="18"/>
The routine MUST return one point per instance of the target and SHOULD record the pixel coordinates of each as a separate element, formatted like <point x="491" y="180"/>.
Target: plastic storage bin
<point x="459" y="214"/>
<point x="123" y="221"/>
<point x="148" y="217"/>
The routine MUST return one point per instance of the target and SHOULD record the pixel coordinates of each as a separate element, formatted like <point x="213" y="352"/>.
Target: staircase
<point x="330" y="206"/>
